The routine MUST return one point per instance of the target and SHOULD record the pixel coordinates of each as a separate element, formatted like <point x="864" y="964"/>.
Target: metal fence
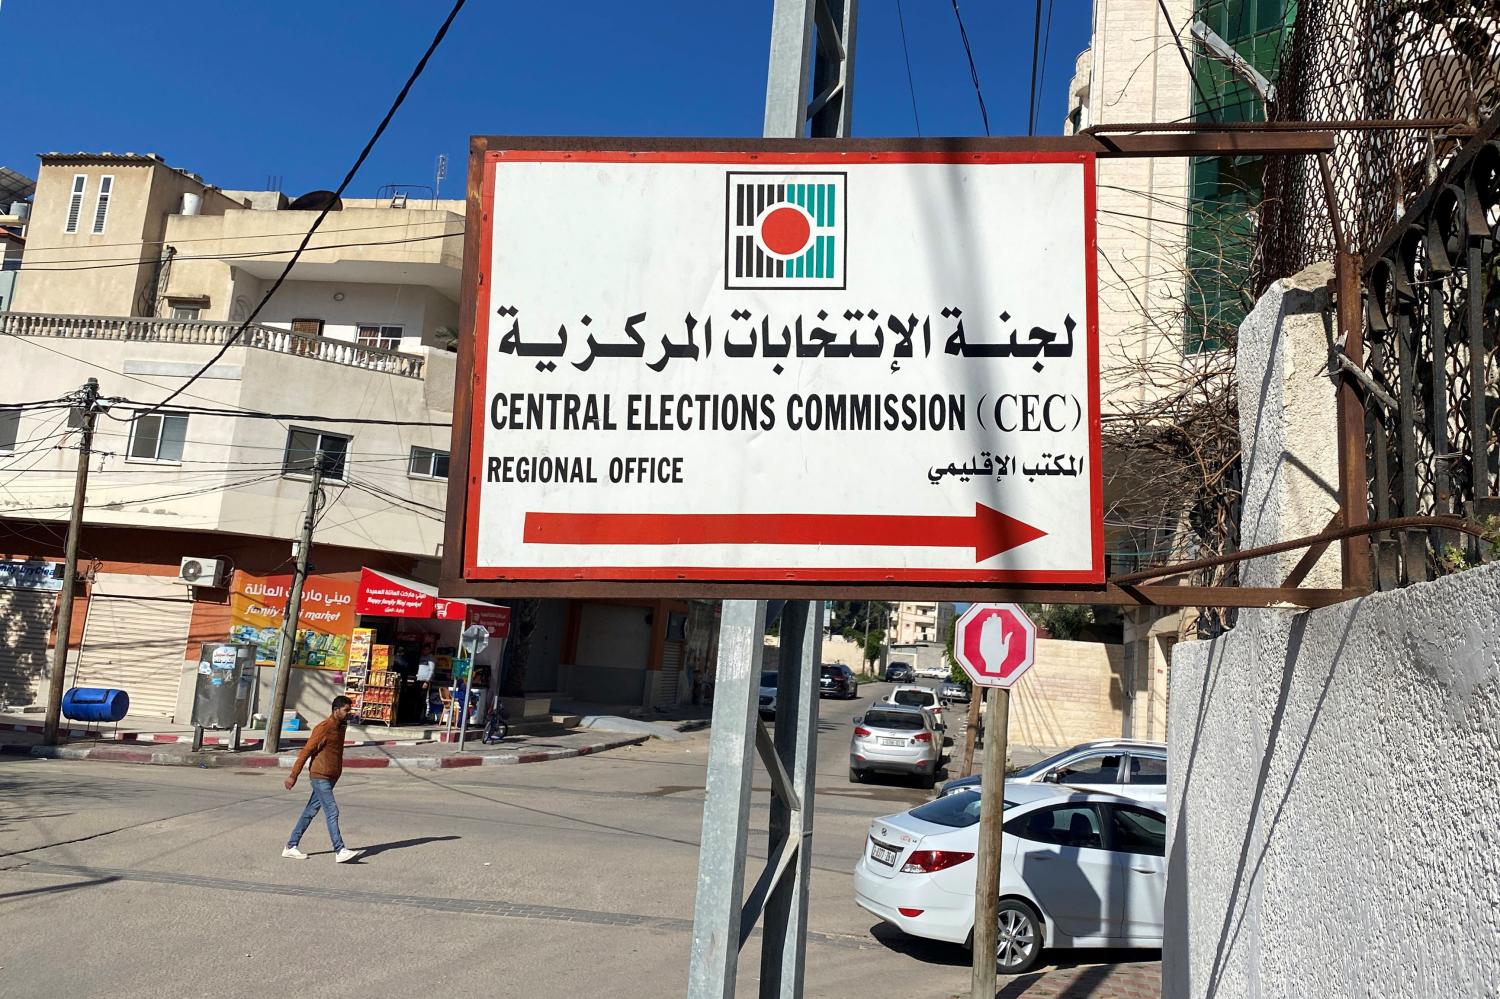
<point x="1433" y="405"/>
<point x="1420" y="73"/>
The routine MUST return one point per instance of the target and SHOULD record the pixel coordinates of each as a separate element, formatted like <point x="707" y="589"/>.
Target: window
<point x="384" y="337"/>
<point x="1091" y="770"/>
<point x="1148" y="770"/>
<point x="902" y="721"/>
<point x="914" y="698"/>
<point x="10" y="430"/>
<point x="1134" y="830"/>
<point x="959" y="810"/>
<point x="158" y="437"/>
<point x="1075" y="826"/>
<point x="75" y="203"/>
<point x="302" y="447"/>
<point x="428" y="464"/>
<point x="183" y="310"/>
<point x="308" y="327"/>
<point x="101" y="204"/>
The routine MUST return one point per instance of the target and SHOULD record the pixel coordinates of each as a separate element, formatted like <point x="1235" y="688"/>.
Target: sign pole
<point x="991" y="821"/>
<point x="463" y="709"/>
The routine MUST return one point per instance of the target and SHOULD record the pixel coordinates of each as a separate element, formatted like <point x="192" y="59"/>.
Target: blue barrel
<point x="95" y="704"/>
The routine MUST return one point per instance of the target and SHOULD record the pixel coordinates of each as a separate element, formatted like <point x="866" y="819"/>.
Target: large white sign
<point x="711" y="365"/>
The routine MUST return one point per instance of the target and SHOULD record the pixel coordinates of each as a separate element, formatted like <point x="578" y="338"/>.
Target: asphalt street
<point x="567" y="878"/>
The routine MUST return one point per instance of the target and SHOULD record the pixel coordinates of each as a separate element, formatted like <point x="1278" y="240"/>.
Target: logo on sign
<point x="785" y="230"/>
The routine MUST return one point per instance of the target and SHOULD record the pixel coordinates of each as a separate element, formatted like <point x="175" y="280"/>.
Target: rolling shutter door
<point x="25" y="622"/>
<point x="669" y="680"/>
<point x="135" y="640"/>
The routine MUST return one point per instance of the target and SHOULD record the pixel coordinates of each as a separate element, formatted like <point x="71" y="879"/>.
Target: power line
<point x="973" y="70"/>
<point x="911" y="86"/>
<point x="1036" y="44"/>
<point x="109" y="263"/>
<point x="258" y="415"/>
<point x="1046" y="47"/>
<point x="359" y="161"/>
<point x="220" y="239"/>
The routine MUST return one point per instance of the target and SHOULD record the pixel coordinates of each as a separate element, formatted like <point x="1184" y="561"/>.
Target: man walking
<point x="325" y="750"/>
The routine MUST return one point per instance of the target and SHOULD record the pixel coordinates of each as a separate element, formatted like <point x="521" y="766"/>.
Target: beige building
<point x="915" y="622"/>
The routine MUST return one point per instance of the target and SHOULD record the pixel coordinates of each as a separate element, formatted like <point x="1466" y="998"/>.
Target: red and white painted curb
<point x="128" y="754"/>
<point x="208" y="740"/>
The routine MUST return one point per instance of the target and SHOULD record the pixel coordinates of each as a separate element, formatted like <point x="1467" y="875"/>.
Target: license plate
<point x="891" y="742"/>
<point x="883" y="854"/>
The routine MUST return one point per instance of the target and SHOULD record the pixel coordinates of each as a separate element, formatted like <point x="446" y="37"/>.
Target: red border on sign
<point x="473" y="571"/>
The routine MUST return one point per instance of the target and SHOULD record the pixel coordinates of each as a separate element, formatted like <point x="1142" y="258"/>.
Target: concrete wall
<point x="1074" y="693"/>
<point x="1334" y="787"/>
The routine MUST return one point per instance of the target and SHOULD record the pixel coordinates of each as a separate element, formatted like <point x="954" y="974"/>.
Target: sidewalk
<point x="425" y="755"/>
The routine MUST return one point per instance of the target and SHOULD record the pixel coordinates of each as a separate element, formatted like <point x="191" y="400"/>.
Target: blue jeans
<point x="322" y="797"/>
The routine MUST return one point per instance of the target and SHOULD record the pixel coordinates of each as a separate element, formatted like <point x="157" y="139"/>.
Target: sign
<point x="753" y="361"/>
<point x="387" y="596"/>
<point x="492" y="617"/>
<point x="257" y="607"/>
<point x="31" y="575"/>
<point x="994" y="643"/>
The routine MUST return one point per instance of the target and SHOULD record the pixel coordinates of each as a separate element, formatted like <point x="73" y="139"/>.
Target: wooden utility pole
<point x="991" y="824"/>
<point x="286" y="647"/>
<point x="88" y="403"/>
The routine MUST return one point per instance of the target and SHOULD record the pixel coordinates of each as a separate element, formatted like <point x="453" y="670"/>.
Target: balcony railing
<point x="184" y="331"/>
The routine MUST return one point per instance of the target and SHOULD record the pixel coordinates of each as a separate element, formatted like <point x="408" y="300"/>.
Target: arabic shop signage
<point x="325" y="621"/>
<point x="31" y="575"/>
<point x="760" y="364"/>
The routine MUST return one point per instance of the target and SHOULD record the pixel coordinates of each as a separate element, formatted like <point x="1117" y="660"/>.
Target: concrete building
<point x="137" y="274"/>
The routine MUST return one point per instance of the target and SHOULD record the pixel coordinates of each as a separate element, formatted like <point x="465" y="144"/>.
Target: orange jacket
<point x="325" y="748"/>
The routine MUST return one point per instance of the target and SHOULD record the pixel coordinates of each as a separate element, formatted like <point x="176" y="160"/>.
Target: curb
<point x="216" y="761"/>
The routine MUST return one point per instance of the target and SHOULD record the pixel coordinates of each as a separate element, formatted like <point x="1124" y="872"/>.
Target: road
<point x="568" y="878"/>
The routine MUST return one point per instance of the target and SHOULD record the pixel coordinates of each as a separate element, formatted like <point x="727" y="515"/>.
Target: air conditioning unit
<point x="201" y="572"/>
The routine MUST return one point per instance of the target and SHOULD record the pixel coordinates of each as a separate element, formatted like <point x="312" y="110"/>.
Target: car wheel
<point x="1018" y="941"/>
<point x="927" y="781"/>
<point x="856" y="776"/>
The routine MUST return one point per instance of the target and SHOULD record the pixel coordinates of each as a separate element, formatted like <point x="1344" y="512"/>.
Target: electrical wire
<point x="109" y="263"/>
<point x="359" y="161"/>
<point x="911" y="86"/>
<point x="1046" y="46"/>
<point x="1036" y="44"/>
<point x="963" y="34"/>
<point x="248" y="414"/>
<point x="164" y="498"/>
<point x="221" y="238"/>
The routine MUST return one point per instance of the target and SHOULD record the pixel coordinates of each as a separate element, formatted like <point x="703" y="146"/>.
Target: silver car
<point x="895" y="739"/>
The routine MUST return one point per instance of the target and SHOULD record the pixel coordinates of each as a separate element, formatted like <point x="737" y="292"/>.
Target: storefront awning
<point x="384" y="594"/>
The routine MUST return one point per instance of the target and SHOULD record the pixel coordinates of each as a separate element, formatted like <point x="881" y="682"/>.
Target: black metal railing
<point x="1433" y="375"/>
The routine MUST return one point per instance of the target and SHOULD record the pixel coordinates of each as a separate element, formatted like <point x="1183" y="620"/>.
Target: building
<point x="137" y="274"/>
<point x="914" y="622"/>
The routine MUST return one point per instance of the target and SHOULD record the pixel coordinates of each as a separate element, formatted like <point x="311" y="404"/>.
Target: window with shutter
<point x="75" y="203"/>
<point x="101" y="206"/>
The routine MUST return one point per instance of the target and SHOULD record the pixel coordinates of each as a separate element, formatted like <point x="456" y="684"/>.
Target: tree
<point x="523" y="625"/>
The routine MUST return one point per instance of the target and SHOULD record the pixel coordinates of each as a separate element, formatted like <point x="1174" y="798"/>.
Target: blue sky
<point x="243" y="90"/>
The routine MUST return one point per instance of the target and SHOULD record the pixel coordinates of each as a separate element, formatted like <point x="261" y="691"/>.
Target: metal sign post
<point x="995" y="644"/>
<point x="477" y="638"/>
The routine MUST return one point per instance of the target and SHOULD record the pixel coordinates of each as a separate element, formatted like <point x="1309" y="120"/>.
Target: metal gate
<point x="25" y="621"/>
<point x="136" y="642"/>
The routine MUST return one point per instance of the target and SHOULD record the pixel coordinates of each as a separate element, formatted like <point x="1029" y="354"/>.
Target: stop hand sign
<point x="994" y="643"/>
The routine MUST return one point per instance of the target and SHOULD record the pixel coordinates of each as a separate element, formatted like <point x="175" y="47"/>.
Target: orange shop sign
<point x="257" y="607"/>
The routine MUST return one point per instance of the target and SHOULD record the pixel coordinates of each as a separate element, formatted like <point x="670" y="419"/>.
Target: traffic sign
<point x="732" y="362"/>
<point x="994" y="643"/>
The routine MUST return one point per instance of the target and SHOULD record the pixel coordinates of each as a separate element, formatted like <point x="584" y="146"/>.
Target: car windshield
<point x="894" y="719"/>
<point x="830" y="671"/>
<point x="956" y="810"/>
<point x="913" y="698"/>
<point x="768" y="679"/>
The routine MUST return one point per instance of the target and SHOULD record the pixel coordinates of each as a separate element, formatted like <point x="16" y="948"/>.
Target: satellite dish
<point x="316" y="201"/>
<point x="478" y="637"/>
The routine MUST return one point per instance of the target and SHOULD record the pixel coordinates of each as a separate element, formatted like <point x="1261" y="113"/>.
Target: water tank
<point x="95" y="704"/>
<point x="20" y="210"/>
<point x="192" y="203"/>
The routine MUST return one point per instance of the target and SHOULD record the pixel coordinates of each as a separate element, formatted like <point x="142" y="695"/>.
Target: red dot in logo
<point x="785" y="231"/>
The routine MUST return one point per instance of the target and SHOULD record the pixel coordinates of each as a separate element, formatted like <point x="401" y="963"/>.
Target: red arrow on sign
<point x="989" y="532"/>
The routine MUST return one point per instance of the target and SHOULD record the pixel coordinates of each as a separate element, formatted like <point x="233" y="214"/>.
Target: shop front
<point x="409" y="657"/>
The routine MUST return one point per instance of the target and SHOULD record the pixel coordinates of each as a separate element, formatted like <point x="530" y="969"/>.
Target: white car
<point x="892" y="739"/>
<point x="1076" y="870"/>
<point x="938" y="672"/>
<point x="916" y="696"/>
<point x="1131" y="768"/>
<point x="768" y="695"/>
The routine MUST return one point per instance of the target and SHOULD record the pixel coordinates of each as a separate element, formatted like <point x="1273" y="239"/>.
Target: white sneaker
<point x="292" y="853"/>
<point x="345" y="855"/>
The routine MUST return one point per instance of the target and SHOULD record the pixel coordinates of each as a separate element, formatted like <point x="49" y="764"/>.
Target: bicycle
<point x="497" y="726"/>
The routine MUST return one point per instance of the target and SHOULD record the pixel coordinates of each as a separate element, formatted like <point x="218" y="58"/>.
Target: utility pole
<point x="288" y="644"/>
<point x="88" y="405"/>
<point x="991" y="825"/>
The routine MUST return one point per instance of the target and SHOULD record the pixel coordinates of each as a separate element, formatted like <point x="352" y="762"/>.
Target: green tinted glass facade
<point x="1225" y="189"/>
